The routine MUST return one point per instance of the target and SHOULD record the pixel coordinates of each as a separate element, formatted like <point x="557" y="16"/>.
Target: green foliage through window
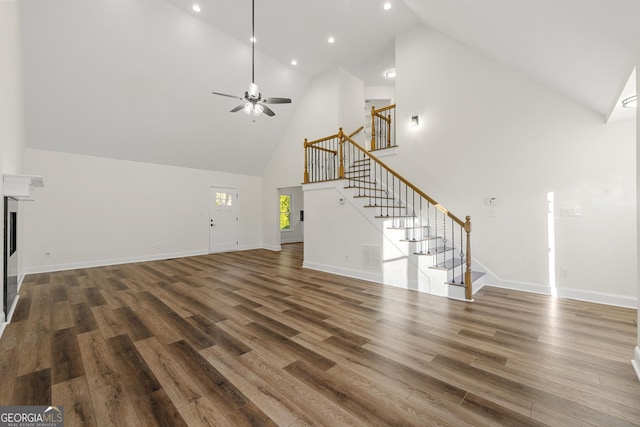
<point x="285" y="212"/>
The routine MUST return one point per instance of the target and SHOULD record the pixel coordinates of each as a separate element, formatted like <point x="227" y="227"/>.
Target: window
<point x="224" y="199"/>
<point x="285" y="212"/>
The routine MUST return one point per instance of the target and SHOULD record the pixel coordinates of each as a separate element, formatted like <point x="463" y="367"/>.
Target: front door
<point x="223" y="219"/>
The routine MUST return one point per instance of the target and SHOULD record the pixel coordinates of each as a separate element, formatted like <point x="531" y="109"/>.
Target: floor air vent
<point x="371" y="257"/>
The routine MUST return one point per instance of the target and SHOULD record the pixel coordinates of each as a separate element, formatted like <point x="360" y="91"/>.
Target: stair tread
<point x="363" y="181"/>
<point x="386" y="206"/>
<point x="448" y="264"/>
<point x="415" y="227"/>
<point x="395" y="216"/>
<point x="422" y="239"/>
<point x="363" y="188"/>
<point x="373" y="197"/>
<point x="436" y="251"/>
<point x="457" y="281"/>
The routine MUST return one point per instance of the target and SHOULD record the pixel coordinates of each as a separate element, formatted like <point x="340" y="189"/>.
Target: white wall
<point x="11" y="104"/>
<point x="489" y="131"/>
<point x="321" y="112"/>
<point x="351" y="102"/>
<point x="636" y="359"/>
<point x="98" y="211"/>
<point x="133" y="80"/>
<point x="337" y="231"/>
<point x="380" y="92"/>
<point x="296" y="232"/>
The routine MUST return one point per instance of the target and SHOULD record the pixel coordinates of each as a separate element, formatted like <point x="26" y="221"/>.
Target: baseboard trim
<point x="114" y="261"/>
<point x="599" y="297"/>
<point x="130" y="260"/>
<point x="576" y="294"/>
<point x="636" y="362"/>
<point x="347" y="272"/>
<point x="13" y="308"/>
<point x="4" y="323"/>
<point x="521" y="286"/>
<point x="20" y="280"/>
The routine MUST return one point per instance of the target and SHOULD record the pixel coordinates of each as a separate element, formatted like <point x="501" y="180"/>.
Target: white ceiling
<point x="132" y="80"/>
<point x="295" y="29"/>
<point x="582" y="48"/>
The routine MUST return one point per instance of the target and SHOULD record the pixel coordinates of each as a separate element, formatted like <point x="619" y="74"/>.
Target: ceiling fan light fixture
<point x="254" y="102"/>
<point x="630" y="102"/>
<point x="254" y="92"/>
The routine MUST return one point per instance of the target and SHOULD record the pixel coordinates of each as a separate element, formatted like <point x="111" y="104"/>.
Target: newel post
<point x="373" y="128"/>
<point x="468" y="293"/>
<point x="306" y="163"/>
<point x="341" y="143"/>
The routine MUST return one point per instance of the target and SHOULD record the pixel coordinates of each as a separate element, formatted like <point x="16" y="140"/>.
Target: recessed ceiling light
<point x="387" y="6"/>
<point x="331" y="40"/>
<point x="196" y="8"/>
<point x="390" y="73"/>
<point x="294" y="62"/>
<point x="253" y="40"/>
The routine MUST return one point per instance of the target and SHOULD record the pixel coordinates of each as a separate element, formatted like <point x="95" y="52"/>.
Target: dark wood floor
<point x="250" y="338"/>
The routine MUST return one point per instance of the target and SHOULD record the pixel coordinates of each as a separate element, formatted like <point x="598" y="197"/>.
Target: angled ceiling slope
<point x="294" y="29"/>
<point x="133" y="81"/>
<point x="582" y="48"/>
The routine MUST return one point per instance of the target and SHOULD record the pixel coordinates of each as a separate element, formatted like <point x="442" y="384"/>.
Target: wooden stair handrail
<point x="388" y="107"/>
<point x="317" y="141"/>
<point x="355" y="132"/>
<point x="334" y="152"/>
<point x="341" y="138"/>
<point x="376" y="113"/>
<point x="466" y="225"/>
<point x="404" y="180"/>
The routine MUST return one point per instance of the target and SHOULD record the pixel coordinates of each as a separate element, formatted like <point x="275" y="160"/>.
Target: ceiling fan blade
<point x="228" y="96"/>
<point x="268" y="111"/>
<point x="277" y="101"/>
<point x="238" y="108"/>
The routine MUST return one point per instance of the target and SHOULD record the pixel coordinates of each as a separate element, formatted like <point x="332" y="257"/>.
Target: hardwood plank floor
<point x="250" y="338"/>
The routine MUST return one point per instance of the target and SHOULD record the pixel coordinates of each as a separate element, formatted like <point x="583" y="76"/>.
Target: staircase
<point x="417" y="225"/>
<point x="438" y="241"/>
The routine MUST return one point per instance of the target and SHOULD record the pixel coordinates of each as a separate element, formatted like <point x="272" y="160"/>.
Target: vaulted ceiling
<point x="132" y="80"/>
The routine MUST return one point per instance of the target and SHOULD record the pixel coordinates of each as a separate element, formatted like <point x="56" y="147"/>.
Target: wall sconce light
<point x="415" y="121"/>
<point x="630" y="102"/>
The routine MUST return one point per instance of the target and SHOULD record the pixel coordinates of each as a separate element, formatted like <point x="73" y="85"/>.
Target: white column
<point x="636" y="354"/>
<point x="11" y="103"/>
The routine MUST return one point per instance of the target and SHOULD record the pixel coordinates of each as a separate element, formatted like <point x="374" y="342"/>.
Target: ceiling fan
<point x="254" y="102"/>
